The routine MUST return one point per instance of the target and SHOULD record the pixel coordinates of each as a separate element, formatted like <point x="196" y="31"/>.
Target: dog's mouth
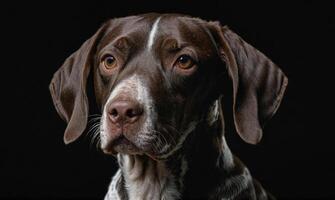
<point x="122" y="145"/>
<point x="125" y="146"/>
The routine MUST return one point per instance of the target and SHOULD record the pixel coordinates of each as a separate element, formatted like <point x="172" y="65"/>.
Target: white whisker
<point x="94" y="130"/>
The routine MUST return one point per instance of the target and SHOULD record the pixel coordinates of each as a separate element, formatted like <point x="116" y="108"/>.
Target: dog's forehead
<point x="151" y="29"/>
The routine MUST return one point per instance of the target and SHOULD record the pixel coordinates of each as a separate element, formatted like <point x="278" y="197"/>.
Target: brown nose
<point x="123" y="112"/>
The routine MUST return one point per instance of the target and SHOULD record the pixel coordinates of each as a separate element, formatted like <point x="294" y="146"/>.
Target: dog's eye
<point x="109" y="62"/>
<point x="184" y="62"/>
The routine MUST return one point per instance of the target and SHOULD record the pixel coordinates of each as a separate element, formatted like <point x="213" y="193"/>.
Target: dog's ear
<point x="68" y="87"/>
<point x="258" y="84"/>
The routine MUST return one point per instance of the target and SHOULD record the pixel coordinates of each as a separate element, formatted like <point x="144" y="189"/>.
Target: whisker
<point x="161" y="141"/>
<point x="96" y="138"/>
<point x="94" y="119"/>
<point x="94" y="129"/>
<point x="169" y="133"/>
<point x="155" y="147"/>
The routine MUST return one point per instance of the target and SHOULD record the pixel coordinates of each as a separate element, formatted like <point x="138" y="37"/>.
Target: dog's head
<point x="157" y="76"/>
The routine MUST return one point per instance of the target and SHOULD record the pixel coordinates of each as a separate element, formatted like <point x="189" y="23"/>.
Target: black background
<point x="294" y="159"/>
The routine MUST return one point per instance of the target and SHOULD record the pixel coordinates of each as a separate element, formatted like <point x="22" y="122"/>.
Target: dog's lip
<point x="121" y="140"/>
<point x="122" y="145"/>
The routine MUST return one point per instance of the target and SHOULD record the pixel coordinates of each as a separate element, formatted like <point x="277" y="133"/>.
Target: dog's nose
<point x="123" y="112"/>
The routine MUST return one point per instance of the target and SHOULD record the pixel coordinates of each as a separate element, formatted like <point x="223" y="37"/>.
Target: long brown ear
<point x="258" y="84"/>
<point x="68" y="88"/>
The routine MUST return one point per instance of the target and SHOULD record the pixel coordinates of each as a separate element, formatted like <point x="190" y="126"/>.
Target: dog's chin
<point x="122" y="145"/>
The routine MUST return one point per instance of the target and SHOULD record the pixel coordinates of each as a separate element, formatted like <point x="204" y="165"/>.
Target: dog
<point x="169" y="87"/>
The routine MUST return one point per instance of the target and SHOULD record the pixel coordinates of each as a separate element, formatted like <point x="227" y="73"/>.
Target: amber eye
<point x="110" y="62"/>
<point x="184" y="62"/>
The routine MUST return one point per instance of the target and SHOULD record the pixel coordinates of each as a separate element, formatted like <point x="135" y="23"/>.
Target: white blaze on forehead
<point x="152" y="34"/>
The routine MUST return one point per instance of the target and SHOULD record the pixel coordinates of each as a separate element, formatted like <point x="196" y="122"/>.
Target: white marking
<point x="227" y="157"/>
<point x="164" y="148"/>
<point x="236" y="184"/>
<point x="112" y="193"/>
<point x="214" y="113"/>
<point x="132" y="88"/>
<point x="184" y="168"/>
<point x="148" y="179"/>
<point x="152" y="34"/>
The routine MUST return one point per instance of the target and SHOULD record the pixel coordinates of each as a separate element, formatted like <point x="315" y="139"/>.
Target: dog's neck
<point x="146" y="178"/>
<point x="203" y="158"/>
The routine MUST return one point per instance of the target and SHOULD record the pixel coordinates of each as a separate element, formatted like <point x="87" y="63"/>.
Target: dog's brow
<point x="152" y="34"/>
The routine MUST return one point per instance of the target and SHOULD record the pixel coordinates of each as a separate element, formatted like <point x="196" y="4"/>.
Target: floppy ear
<point x="258" y="84"/>
<point x="68" y="88"/>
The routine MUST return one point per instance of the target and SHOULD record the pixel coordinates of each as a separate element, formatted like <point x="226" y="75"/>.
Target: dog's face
<point x="155" y="80"/>
<point x="157" y="76"/>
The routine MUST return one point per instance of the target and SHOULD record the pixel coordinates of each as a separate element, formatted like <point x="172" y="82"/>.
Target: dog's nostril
<point x="133" y="112"/>
<point x="113" y="112"/>
<point x="130" y="113"/>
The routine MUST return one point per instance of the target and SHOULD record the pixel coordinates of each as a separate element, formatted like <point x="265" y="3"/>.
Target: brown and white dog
<point x="168" y="86"/>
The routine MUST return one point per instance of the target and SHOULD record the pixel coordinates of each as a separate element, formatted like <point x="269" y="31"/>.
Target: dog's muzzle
<point x="126" y="121"/>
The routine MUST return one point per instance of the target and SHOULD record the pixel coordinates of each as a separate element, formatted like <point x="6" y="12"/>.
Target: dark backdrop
<point x="294" y="159"/>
